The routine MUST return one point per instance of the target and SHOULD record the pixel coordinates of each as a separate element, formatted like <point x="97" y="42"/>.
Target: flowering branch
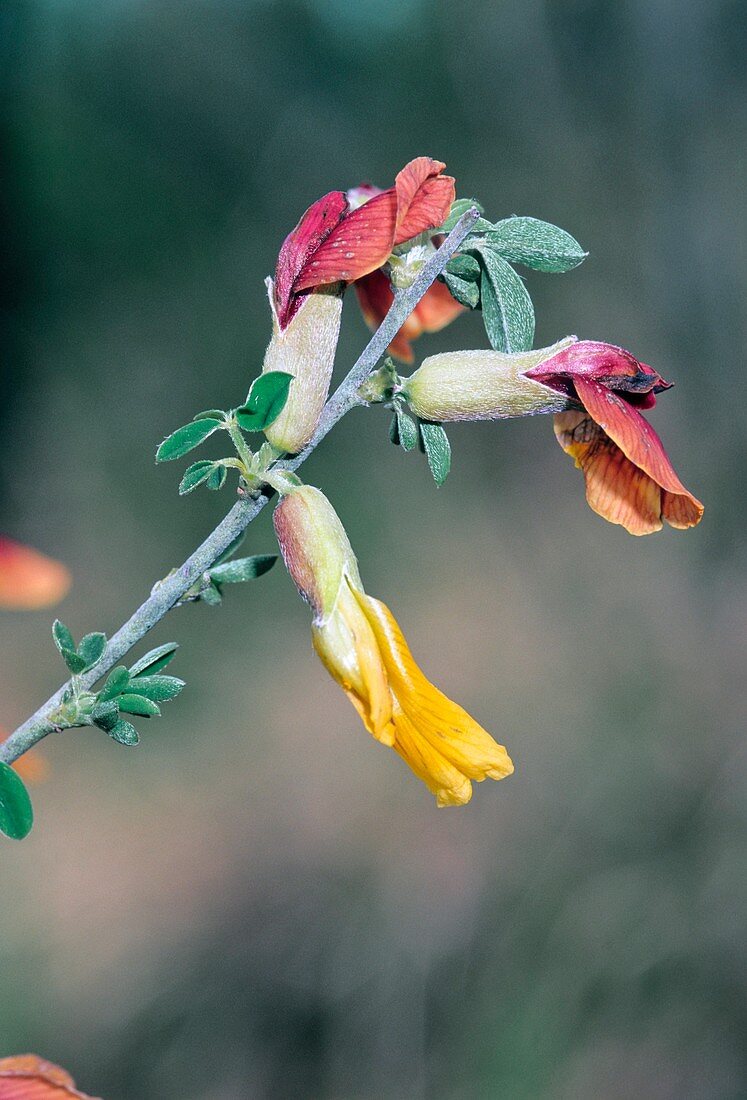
<point x="168" y="592"/>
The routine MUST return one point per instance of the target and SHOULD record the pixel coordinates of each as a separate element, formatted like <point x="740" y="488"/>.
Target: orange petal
<point x="641" y="445"/>
<point x="616" y="489"/>
<point x="424" y="197"/>
<point x="359" y="244"/>
<point x="450" y="786"/>
<point x="434" y="310"/>
<point x="29" y="579"/>
<point x="28" y="1077"/>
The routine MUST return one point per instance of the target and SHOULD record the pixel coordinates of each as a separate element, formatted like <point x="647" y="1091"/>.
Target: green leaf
<point x="16" y="812"/>
<point x="155" y="660"/>
<point x="437" y="449"/>
<point x="124" y="732"/>
<point x="75" y="663"/>
<point x="185" y="439"/>
<point x="158" y="688"/>
<point x="117" y="680"/>
<point x="265" y="401"/>
<point x="242" y="569"/>
<point x="105" y="715"/>
<point x="464" y="267"/>
<point x="210" y="414"/>
<point x="466" y="293"/>
<point x="138" y="704"/>
<point x="536" y="244"/>
<point x="63" y="639"/>
<point x="407" y="428"/>
<point x="91" y="648"/>
<point x="210" y="595"/>
<point x="507" y="309"/>
<point x="194" y="475"/>
<point x="458" y="208"/>
<point x="217" y="477"/>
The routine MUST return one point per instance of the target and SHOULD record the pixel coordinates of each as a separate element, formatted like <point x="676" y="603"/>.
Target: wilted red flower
<point x="596" y="392"/>
<point x="29" y="579"/>
<point x="28" y="1077"/>
<point x="343" y="237"/>
<point x="629" y="478"/>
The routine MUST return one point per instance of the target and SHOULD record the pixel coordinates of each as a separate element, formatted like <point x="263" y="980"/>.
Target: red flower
<point x="338" y="241"/>
<point x="629" y="478"/>
<point x="28" y="579"/>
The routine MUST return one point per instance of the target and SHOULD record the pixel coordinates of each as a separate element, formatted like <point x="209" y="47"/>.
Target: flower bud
<point x="306" y="349"/>
<point x="316" y="551"/>
<point x="482" y="385"/>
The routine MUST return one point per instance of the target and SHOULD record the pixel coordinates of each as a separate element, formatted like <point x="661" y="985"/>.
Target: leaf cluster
<point x="408" y="431"/>
<point x="482" y="277"/>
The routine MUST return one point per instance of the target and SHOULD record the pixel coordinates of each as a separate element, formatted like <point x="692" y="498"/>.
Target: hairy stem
<point x="168" y="591"/>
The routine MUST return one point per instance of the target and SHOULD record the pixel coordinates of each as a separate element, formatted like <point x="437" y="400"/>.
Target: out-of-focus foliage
<point x="259" y="902"/>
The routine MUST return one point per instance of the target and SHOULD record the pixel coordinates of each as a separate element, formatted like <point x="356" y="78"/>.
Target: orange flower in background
<point x="29" y="580"/>
<point x="363" y="648"/>
<point x="28" y="1077"/>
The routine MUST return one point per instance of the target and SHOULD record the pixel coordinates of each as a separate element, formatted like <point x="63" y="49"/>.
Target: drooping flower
<point x="596" y="392"/>
<point x="337" y="241"/>
<point x="434" y="311"/>
<point x="28" y="1077"/>
<point x="29" y="580"/>
<point x="362" y="646"/>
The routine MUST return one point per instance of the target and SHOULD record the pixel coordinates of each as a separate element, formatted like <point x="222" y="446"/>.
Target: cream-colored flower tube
<point x="306" y="349"/>
<point x="482" y="385"/>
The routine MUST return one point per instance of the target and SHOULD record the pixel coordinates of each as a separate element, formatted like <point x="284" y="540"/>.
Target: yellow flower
<point x="362" y="646"/>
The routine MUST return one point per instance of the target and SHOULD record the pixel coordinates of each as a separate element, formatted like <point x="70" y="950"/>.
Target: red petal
<point x="28" y="579"/>
<point x="424" y="197"/>
<point x="301" y="243"/>
<point x="615" y="367"/>
<point x="358" y="245"/>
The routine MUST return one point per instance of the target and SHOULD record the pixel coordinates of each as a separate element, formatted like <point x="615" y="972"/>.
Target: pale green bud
<point x="316" y="551"/>
<point x="482" y="385"/>
<point x="306" y="349"/>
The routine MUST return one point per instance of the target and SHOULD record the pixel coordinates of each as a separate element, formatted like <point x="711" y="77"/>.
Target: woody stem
<point x="168" y="592"/>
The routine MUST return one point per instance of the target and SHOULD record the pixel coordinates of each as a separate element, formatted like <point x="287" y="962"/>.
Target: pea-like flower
<point x="340" y="239"/>
<point x="362" y="646"/>
<point x="28" y="1077"/>
<point x="597" y="392"/>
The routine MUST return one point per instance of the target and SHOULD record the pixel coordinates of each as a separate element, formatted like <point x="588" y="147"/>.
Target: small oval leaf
<point x="155" y="660"/>
<point x="536" y="244"/>
<point x="242" y="569"/>
<point x="16" y="812"/>
<point x="265" y="401"/>
<point x="185" y="439"/>
<point x="138" y="704"/>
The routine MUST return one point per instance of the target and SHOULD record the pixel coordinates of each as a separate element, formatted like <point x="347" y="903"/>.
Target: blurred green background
<point x="260" y="901"/>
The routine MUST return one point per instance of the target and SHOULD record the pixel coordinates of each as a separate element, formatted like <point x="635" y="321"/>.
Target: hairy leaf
<point x="158" y="688"/>
<point x="91" y="648"/>
<point x="242" y="569"/>
<point x="138" y="704"/>
<point x="437" y="450"/>
<point x="507" y="309"/>
<point x="185" y="439"/>
<point x="536" y="244"/>
<point x="155" y="660"/>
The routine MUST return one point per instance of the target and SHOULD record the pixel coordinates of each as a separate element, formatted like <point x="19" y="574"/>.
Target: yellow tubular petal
<point x="446" y="727"/>
<point x="442" y="779"/>
<point x="348" y="649"/>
